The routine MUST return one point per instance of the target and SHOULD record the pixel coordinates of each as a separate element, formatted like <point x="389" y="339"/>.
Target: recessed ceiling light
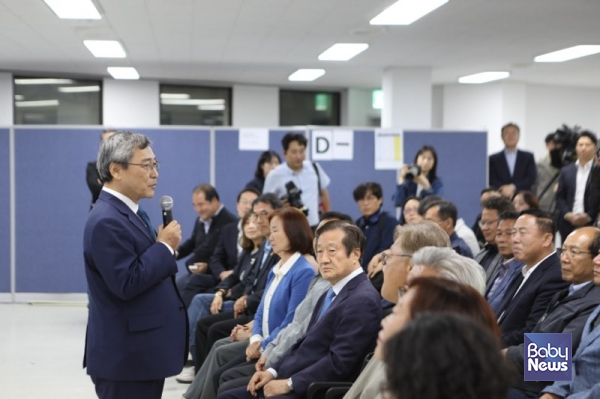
<point x="483" y="77"/>
<point x="38" y="103"/>
<point x="123" y="73"/>
<point x="192" y="101"/>
<point x="343" y="51"/>
<point x="568" y="54"/>
<point x="405" y="12"/>
<point x="213" y="107"/>
<point x="105" y="48"/>
<point x="43" y="81"/>
<point x="74" y="9"/>
<point x="176" y="96"/>
<point x="306" y="75"/>
<point x="79" y="89"/>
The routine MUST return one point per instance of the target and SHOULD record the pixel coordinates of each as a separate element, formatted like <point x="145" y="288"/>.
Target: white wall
<point x="406" y="98"/>
<point x="128" y="103"/>
<point x="548" y="107"/>
<point x="6" y="99"/>
<point x="255" y="106"/>
<point x="359" y="108"/>
<point x="437" y="106"/>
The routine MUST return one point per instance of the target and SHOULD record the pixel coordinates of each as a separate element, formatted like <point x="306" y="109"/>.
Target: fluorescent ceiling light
<point x="343" y="51"/>
<point x="568" y="54"/>
<point x="105" y="48"/>
<point x="483" y="77"/>
<point x="176" y="96"/>
<point x="39" y="103"/>
<point x="19" y="97"/>
<point x="306" y="75"/>
<point x="74" y="9"/>
<point x="43" y="81"/>
<point x="405" y="12"/>
<point x="79" y="89"/>
<point x="123" y="73"/>
<point x="377" y="99"/>
<point x="220" y="107"/>
<point x="191" y="101"/>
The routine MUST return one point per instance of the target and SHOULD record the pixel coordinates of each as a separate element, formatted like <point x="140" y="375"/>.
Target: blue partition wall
<point x="4" y="211"/>
<point x="462" y="165"/>
<point x="235" y="168"/>
<point x="53" y="199"/>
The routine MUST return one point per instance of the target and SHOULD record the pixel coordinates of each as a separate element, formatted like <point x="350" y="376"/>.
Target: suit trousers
<point x="192" y="284"/>
<point x="211" y="329"/>
<point x="237" y="377"/>
<point x="242" y="393"/>
<point x="110" y="389"/>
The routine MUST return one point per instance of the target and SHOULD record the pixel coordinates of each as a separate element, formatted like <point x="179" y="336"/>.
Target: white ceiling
<point x="264" y="41"/>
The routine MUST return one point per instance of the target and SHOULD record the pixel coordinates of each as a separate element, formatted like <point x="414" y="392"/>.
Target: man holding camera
<point x="307" y="177"/>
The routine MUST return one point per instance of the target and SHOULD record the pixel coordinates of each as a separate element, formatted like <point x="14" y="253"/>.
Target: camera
<point x="412" y="172"/>
<point x="565" y="139"/>
<point x="293" y="197"/>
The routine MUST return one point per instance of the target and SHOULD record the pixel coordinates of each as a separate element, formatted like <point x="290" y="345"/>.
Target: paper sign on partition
<point x="253" y="139"/>
<point x="388" y="150"/>
<point x="328" y="145"/>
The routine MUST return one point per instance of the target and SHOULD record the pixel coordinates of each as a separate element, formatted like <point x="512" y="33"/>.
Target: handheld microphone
<point x="166" y="203"/>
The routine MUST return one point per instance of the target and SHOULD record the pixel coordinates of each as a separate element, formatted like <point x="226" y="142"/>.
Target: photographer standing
<point x="307" y="177"/>
<point x="578" y="194"/>
<point x="420" y="179"/>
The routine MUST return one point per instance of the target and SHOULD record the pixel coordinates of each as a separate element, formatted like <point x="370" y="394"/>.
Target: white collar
<point x="125" y="199"/>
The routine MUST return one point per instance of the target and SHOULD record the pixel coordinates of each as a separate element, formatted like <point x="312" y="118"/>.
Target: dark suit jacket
<point x="137" y="323"/>
<point x="225" y="255"/>
<point x="523" y="176"/>
<point x="565" y="196"/>
<point x="565" y="314"/>
<point x="91" y="177"/>
<point x="334" y="348"/>
<point x="202" y="245"/>
<point x="256" y="280"/>
<point x="520" y="314"/>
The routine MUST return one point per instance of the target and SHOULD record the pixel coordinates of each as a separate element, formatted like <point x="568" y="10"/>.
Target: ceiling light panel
<point x="105" y="48"/>
<point x="483" y="77"/>
<point x="127" y="73"/>
<point x="343" y="51"/>
<point x="567" y="54"/>
<point x="306" y="75"/>
<point x="405" y="12"/>
<point x="79" y="89"/>
<point x="74" y="9"/>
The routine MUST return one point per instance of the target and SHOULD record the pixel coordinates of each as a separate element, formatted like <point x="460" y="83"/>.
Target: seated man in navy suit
<point x="136" y="333"/>
<point x="529" y="294"/>
<point x="341" y="331"/>
<point x="512" y="170"/>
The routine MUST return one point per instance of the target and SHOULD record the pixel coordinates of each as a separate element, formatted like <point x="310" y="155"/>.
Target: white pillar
<point x="130" y="103"/>
<point x="407" y="99"/>
<point x="6" y="99"/>
<point x="255" y="106"/>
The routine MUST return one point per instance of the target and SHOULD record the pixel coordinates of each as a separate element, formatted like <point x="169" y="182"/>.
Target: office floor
<point x="41" y="352"/>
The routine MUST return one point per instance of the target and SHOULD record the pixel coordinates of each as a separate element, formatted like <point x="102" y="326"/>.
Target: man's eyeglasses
<point x="261" y="215"/>
<point x="571" y="253"/>
<point x="385" y="257"/>
<point x="148" y="166"/>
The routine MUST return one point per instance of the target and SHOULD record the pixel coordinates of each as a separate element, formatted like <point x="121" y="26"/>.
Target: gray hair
<point x="452" y="266"/>
<point x="119" y="149"/>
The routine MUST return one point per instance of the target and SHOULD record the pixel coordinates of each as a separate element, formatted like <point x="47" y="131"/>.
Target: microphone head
<point x="166" y="203"/>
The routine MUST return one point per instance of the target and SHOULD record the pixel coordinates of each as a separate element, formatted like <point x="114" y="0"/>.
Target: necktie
<point x="327" y="302"/>
<point x="144" y="216"/>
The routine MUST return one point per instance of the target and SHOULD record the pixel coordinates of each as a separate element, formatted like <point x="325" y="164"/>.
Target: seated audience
<point x="529" y="294"/>
<point x="375" y="223"/>
<point x="570" y="308"/>
<point x="445" y="214"/>
<point x="425" y="294"/>
<point x="212" y="217"/>
<point x="342" y="328"/>
<point x="425" y="183"/>
<point x="499" y="278"/>
<point x="444" y="262"/>
<point x="586" y="360"/>
<point x="486" y="194"/>
<point x="524" y="200"/>
<point x="457" y="358"/>
<point x="410" y="211"/>
<point x="489" y="257"/>
<point x="267" y="161"/>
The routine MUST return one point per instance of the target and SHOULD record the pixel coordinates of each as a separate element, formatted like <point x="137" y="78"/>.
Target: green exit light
<point x="321" y="102"/>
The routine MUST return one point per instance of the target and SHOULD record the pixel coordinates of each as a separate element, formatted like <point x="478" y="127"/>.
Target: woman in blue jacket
<point x="424" y="184"/>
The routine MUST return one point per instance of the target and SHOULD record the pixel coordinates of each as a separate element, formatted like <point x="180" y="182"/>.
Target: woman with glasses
<point x="267" y="161"/>
<point x="419" y="181"/>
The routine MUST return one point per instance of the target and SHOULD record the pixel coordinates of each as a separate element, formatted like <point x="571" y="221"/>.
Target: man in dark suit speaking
<point x="137" y="324"/>
<point x="342" y="328"/>
<point x="511" y="170"/>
